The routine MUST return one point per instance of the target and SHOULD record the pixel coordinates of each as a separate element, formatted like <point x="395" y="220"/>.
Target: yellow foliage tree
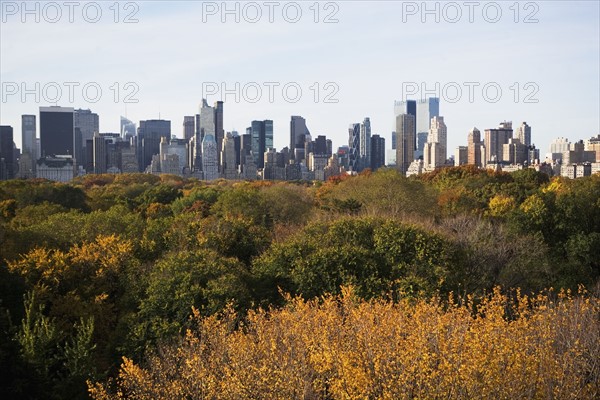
<point x="339" y="347"/>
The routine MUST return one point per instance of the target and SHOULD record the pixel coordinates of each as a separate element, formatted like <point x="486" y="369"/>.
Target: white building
<point x="58" y="168"/>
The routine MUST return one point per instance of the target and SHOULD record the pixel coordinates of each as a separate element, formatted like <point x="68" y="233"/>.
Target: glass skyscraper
<point x="56" y="131"/>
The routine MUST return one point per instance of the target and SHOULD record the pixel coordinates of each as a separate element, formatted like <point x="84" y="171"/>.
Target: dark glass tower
<point x="298" y="133"/>
<point x="7" y="161"/>
<point x="148" y="139"/>
<point x="262" y="139"/>
<point x="56" y="131"/>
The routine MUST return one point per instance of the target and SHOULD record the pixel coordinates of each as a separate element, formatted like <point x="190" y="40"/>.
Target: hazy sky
<point x="364" y="61"/>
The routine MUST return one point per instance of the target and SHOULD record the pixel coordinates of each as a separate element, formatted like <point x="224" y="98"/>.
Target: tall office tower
<point x="298" y="134"/>
<point x="228" y="163"/>
<point x="524" y="134"/>
<point x="7" y="153"/>
<point x="207" y="119"/>
<point x="188" y="127"/>
<point x="495" y="139"/>
<point x="365" y="143"/>
<point x="56" y="131"/>
<point x="173" y="155"/>
<point x="128" y="129"/>
<point x="435" y="150"/>
<point x="438" y="133"/>
<point x="100" y="149"/>
<point x="86" y="124"/>
<point x="28" y="134"/>
<point x="320" y="145"/>
<point x="405" y="107"/>
<point x="394" y="140"/>
<point x="461" y="156"/>
<point x="29" y="148"/>
<point x="261" y="140"/>
<point x="426" y="110"/>
<point x="210" y="166"/>
<point x="148" y="139"/>
<point x="219" y="132"/>
<point x="245" y="145"/>
<point x="196" y="147"/>
<point x="377" y="152"/>
<point x="237" y="140"/>
<point x="405" y="148"/>
<point x="354" y="147"/>
<point x="474" y="147"/>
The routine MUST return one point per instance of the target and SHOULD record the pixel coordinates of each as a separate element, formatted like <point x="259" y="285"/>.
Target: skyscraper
<point x="354" y="147"/>
<point x="148" y="139"/>
<point x="405" y="107"/>
<point x="435" y="150"/>
<point x="405" y="148"/>
<point x="494" y="141"/>
<point x="28" y="134"/>
<point x="128" y="129"/>
<point x="219" y="132"/>
<point x="515" y="152"/>
<point x="228" y="163"/>
<point x="474" y="148"/>
<point x="377" y="152"/>
<point x="524" y="134"/>
<point x="7" y="161"/>
<point x="298" y="134"/>
<point x="29" y="147"/>
<point x="56" y="131"/>
<point x="426" y="110"/>
<point x="261" y="140"/>
<point x="188" y="127"/>
<point x="207" y="119"/>
<point x="365" y="143"/>
<point x="100" y="154"/>
<point x="320" y="146"/>
<point x="210" y="166"/>
<point x="86" y="124"/>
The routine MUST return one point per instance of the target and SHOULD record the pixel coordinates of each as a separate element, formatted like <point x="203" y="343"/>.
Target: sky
<point x="334" y="63"/>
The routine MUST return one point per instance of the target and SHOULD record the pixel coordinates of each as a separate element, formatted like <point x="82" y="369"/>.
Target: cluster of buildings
<point x="70" y="144"/>
<point x="419" y="145"/>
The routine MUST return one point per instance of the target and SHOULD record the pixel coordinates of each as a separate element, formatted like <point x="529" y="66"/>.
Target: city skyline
<point x="171" y="85"/>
